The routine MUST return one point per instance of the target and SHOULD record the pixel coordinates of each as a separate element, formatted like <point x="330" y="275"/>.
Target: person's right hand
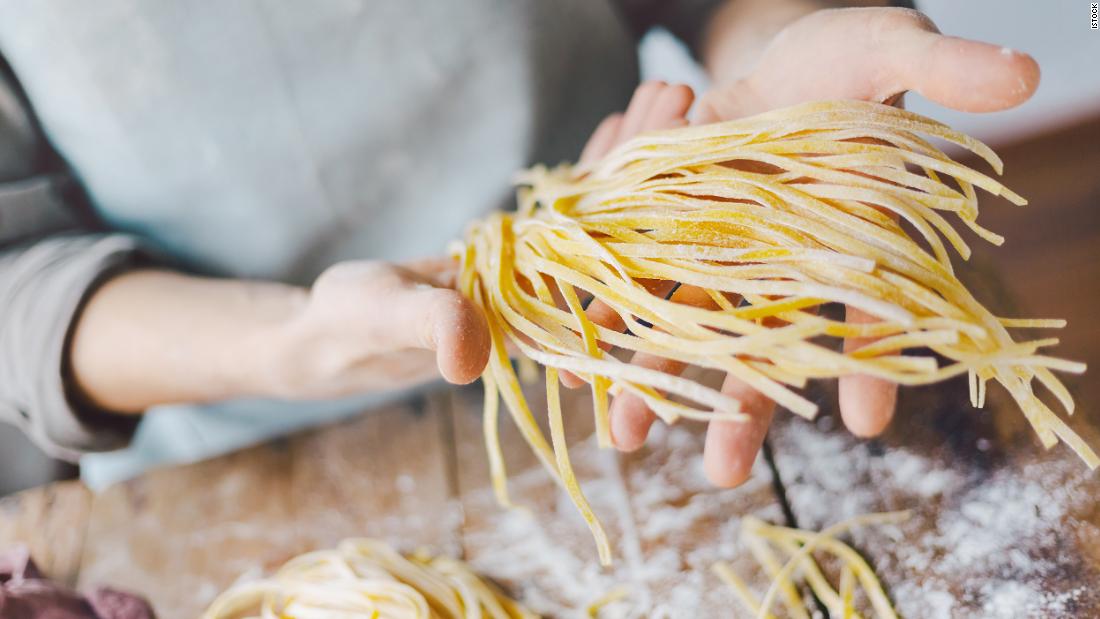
<point x="370" y="326"/>
<point x="150" y="337"/>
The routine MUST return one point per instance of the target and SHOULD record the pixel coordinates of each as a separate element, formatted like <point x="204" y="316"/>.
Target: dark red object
<point x="25" y="593"/>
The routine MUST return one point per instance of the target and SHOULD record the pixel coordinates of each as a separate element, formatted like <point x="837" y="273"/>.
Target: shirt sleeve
<point x="686" y="19"/>
<point x="50" y="258"/>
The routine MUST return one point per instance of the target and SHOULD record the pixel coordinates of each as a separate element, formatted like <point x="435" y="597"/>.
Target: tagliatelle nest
<point x="369" y="579"/>
<point x="772" y="216"/>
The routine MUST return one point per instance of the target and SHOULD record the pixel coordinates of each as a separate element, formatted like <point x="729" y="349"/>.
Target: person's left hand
<point x="873" y="54"/>
<point x="864" y="54"/>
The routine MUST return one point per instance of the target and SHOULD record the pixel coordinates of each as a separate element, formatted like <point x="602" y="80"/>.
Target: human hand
<point x="867" y="54"/>
<point x="872" y="54"/>
<point x="656" y="106"/>
<point x="369" y="326"/>
<point x="149" y="337"/>
<point x="730" y="446"/>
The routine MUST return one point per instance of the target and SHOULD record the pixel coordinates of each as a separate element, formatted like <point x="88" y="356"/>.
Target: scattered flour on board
<point x="405" y="483"/>
<point x="982" y="542"/>
<point x="666" y="523"/>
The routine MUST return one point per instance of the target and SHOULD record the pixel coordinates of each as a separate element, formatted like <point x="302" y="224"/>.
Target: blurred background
<point x="1050" y="266"/>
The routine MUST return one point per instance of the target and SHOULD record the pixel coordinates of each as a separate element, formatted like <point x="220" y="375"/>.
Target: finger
<point x="866" y="402"/>
<point x="640" y="105"/>
<point x="631" y="417"/>
<point x="669" y="109"/>
<point x="441" y="272"/>
<point x="602" y="140"/>
<point x="873" y="55"/>
<point x="601" y="314"/>
<point x="731" y="446"/>
<point x="459" y="336"/>
<point x="655" y="105"/>
<point x="965" y="75"/>
<point x="419" y="316"/>
<point x="606" y="316"/>
<point x="736" y="101"/>
<point x="903" y="50"/>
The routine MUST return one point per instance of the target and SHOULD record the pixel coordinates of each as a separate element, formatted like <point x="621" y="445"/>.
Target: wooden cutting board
<point x="414" y="474"/>
<point x="999" y="529"/>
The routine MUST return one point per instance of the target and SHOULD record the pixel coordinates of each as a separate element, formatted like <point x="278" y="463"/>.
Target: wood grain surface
<point x="51" y="521"/>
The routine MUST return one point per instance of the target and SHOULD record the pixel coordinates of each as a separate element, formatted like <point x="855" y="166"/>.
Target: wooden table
<point x="415" y="474"/>
<point x="999" y="529"/>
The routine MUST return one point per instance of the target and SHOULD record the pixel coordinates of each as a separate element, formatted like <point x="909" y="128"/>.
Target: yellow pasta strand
<point x="798" y="546"/>
<point x="364" y="578"/>
<point x="607" y="599"/>
<point x="772" y="217"/>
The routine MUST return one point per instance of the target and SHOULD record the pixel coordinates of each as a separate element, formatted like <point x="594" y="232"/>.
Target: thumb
<point x="874" y="55"/>
<point x="964" y="75"/>
<point x="421" y="316"/>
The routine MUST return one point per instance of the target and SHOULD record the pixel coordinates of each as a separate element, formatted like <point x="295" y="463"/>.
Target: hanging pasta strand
<point x="771" y="217"/>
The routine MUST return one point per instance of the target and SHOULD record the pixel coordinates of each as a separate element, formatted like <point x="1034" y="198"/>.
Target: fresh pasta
<point x="367" y="578"/>
<point x="798" y="547"/>
<point x="772" y="217"/>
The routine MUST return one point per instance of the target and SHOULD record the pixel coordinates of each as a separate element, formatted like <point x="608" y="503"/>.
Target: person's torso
<point x="271" y="139"/>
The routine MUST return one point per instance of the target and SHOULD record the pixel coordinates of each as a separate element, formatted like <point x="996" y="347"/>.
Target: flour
<point x="666" y="522"/>
<point x="984" y="541"/>
<point x="829" y="477"/>
<point x="405" y="483"/>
